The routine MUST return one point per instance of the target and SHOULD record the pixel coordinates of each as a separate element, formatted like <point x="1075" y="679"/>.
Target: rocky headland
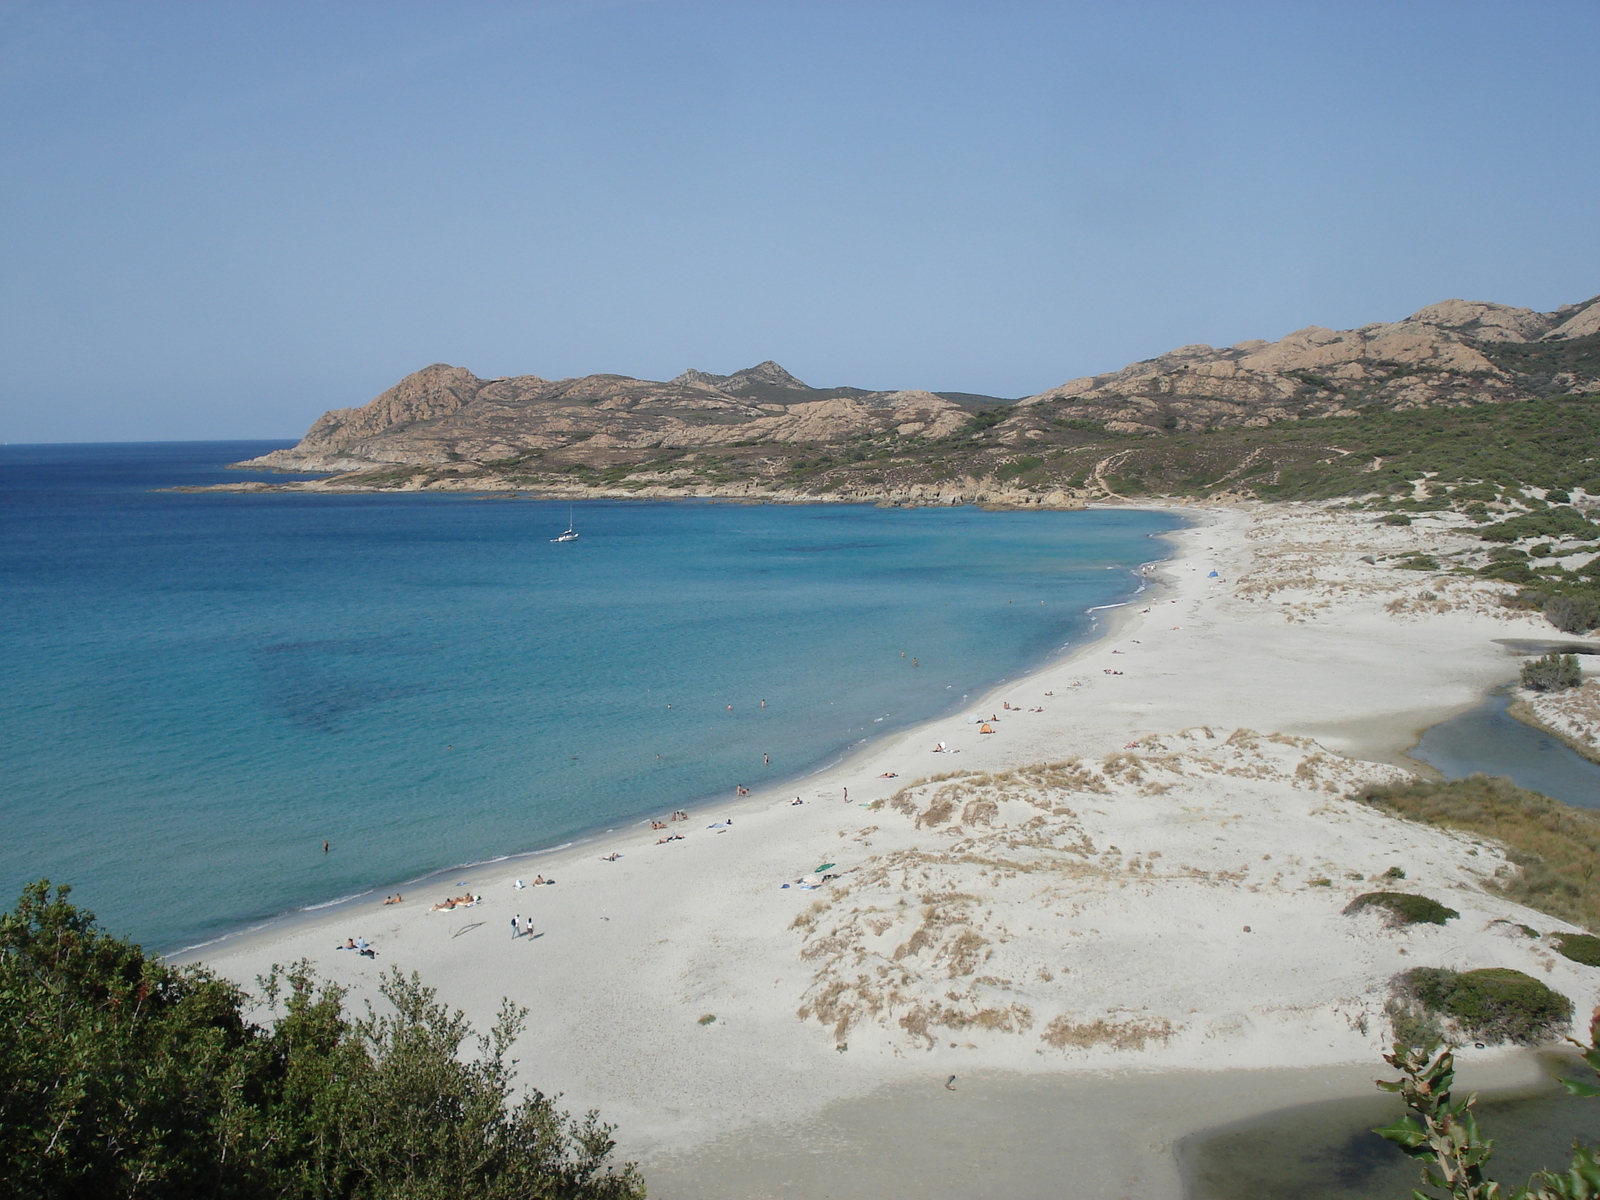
<point x="1200" y="420"/>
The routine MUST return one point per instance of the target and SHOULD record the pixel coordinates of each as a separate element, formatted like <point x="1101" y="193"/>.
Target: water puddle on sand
<point x="1327" y="1151"/>
<point x="1487" y="739"/>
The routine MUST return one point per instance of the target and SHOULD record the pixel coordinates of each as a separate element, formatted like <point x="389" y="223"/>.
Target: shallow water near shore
<point x="1488" y="739"/>
<point x="197" y="690"/>
<point x="1327" y="1151"/>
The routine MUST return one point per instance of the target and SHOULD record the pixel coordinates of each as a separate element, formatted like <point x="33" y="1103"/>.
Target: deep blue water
<point x="196" y="690"/>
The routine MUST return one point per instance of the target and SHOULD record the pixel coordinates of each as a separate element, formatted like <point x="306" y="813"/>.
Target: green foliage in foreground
<point x="1405" y="908"/>
<point x="1554" y="847"/>
<point x="121" y="1076"/>
<point x="1552" y="673"/>
<point x="1442" y="1133"/>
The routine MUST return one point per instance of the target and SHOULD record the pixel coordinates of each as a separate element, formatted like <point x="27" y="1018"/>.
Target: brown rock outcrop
<point x="1444" y="354"/>
<point x="445" y="414"/>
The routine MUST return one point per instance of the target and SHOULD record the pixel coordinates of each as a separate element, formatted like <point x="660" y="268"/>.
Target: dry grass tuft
<point x="1126" y="1035"/>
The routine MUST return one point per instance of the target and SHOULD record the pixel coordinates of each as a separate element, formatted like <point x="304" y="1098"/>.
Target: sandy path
<point x="1292" y="635"/>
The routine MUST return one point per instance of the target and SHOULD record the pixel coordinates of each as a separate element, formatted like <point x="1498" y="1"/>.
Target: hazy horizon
<point x="220" y="221"/>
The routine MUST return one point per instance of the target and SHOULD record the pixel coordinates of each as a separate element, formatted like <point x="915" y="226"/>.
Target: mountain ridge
<point x="761" y="432"/>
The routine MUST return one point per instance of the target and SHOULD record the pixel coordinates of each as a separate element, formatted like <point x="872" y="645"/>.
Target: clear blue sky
<point x="218" y="220"/>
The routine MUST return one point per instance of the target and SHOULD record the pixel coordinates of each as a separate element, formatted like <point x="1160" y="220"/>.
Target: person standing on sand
<point x="515" y="931"/>
<point x="847" y="795"/>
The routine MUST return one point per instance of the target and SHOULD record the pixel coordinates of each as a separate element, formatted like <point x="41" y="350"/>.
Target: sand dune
<point x="1142" y="869"/>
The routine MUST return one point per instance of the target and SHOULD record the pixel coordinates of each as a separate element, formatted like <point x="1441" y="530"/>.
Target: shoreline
<point x="713" y="807"/>
<point x="1293" y="636"/>
<point x="1521" y="709"/>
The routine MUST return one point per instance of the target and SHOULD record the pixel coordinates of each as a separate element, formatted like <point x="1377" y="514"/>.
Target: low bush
<point x="1493" y="1004"/>
<point x="1552" y="673"/>
<point x="1405" y="908"/>
<point x="1562" y="521"/>
<point x="1579" y="947"/>
<point x="1573" y="614"/>
<point x="1553" y="846"/>
<point x="1396" y="519"/>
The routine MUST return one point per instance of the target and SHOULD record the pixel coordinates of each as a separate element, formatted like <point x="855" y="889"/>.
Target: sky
<point x="218" y="220"/>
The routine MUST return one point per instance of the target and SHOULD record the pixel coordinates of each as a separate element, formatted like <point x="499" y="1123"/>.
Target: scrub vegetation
<point x="1404" y="908"/>
<point x="1491" y="1005"/>
<point x="121" y="1076"/>
<point x="1554" y="848"/>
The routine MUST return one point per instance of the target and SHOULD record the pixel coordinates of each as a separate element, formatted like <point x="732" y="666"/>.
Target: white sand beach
<point x="1115" y="919"/>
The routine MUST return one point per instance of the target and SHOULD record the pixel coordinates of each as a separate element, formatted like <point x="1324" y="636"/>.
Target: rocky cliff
<point x="1452" y="353"/>
<point x="1290" y="414"/>
<point x="444" y="414"/>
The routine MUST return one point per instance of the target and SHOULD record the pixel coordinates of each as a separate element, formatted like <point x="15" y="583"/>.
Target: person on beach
<point x="847" y="795"/>
<point x="516" y="931"/>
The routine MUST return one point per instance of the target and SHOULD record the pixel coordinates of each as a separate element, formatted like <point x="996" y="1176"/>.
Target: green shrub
<point x="1493" y="1004"/>
<point x="1406" y="908"/>
<point x="1579" y="947"/>
<point x="1562" y="521"/>
<point x="1395" y="873"/>
<point x="1552" y="673"/>
<point x="1573" y="614"/>
<point x="1396" y="519"/>
<point x="121" y="1076"/>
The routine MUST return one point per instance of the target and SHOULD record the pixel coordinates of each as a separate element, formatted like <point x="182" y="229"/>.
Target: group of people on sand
<point x="360" y="945"/>
<point x="465" y="900"/>
<point x="394" y="899"/>
<point x="739" y="789"/>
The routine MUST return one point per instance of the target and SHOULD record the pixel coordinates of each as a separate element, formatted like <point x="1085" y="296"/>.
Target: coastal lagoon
<point x="199" y="689"/>
<point x="1487" y="739"/>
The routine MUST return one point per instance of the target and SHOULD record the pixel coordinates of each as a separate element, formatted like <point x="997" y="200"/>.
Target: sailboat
<point x="569" y="534"/>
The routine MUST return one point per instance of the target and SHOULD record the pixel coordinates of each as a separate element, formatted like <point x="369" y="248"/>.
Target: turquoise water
<point x="197" y="690"/>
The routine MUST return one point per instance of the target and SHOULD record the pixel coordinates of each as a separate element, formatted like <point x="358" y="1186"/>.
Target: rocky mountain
<point x="1453" y="353"/>
<point x="445" y="414"/>
<point x="762" y="433"/>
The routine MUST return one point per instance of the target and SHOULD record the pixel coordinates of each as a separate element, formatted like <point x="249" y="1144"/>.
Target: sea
<point x="198" y="690"/>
